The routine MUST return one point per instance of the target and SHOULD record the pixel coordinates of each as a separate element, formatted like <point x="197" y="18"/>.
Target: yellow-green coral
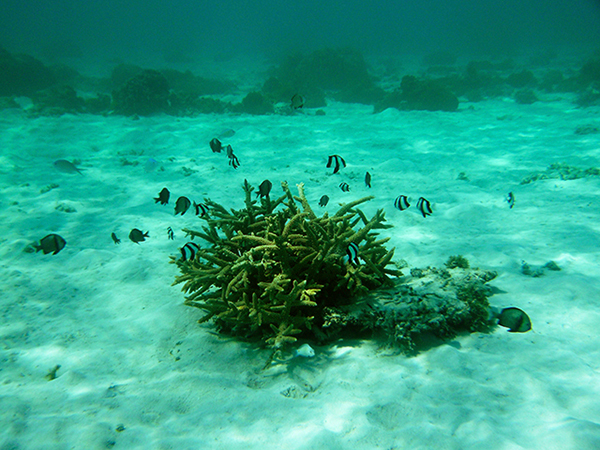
<point x="270" y="272"/>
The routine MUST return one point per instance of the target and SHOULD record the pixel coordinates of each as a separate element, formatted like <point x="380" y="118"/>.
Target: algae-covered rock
<point x="562" y="171"/>
<point x="272" y="268"/>
<point x="421" y="310"/>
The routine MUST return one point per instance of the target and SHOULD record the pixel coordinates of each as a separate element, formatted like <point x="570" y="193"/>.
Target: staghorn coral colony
<point x="275" y="271"/>
<point x="271" y="273"/>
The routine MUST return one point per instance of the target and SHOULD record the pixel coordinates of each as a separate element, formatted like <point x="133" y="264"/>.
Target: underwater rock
<point x="420" y="95"/>
<point x="99" y="104"/>
<point x="562" y="171"/>
<point x="57" y="100"/>
<point x="8" y="103"/>
<point x="145" y="94"/>
<point x="254" y="103"/>
<point x="525" y="97"/>
<point x="521" y="79"/>
<point x="425" y="309"/>
<point x="22" y="75"/>
<point x="341" y="72"/>
<point x="587" y="129"/>
<point x="590" y="72"/>
<point x="188" y="83"/>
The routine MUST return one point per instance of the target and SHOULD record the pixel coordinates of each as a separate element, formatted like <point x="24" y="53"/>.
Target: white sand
<point x="132" y="354"/>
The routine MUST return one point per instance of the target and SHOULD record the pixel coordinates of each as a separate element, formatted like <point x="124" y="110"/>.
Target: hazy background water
<point x="176" y="30"/>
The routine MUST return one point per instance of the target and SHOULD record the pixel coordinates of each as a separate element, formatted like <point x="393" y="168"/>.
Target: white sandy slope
<point x="132" y="355"/>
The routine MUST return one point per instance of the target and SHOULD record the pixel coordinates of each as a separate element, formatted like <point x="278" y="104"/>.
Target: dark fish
<point x="229" y="150"/>
<point x="182" y="205"/>
<point x="335" y="161"/>
<point x="352" y="253"/>
<point x="67" y="167"/>
<point x="344" y="187"/>
<point x="424" y="206"/>
<point x="53" y="243"/>
<point x="137" y="236"/>
<point x="115" y="239"/>
<point x="234" y="162"/>
<point x="188" y="251"/>
<point x="510" y="198"/>
<point x="368" y="179"/>
<point x="216" y="146"/>
<point x="170" y="233"/>
<point x="324" y="200"/>
<point x="163" y="197"/>
<point x="515" y="320"/>
<point x="264" y="189"/>
<point x="401" y="202"/>
<point x="201" y="209"/>
<point x="297" y="101"/>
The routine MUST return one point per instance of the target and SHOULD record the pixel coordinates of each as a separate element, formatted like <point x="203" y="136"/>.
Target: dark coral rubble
<point x="270" y="272"/>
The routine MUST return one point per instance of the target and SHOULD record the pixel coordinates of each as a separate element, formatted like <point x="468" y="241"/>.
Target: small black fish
<point x="201" y="209"/>
<point x="229" y="150"/>
<point x="137" y="236"/>
<point x="234" y="162"/>
<point x="170" y="233"/>
<point x="352" y="253"/>
<point x="324" y="200"/>
<point x="115" y="239"/>
<point x="53" y="243"/>
<point x="182" y="205"/>
<point x="424" y="206"/>
<point x="297" y="101"/>
<point x="510" y="198"/>
<point x="401" y="202"/>
<point x="216" y="146"/>
<point x="338" y="160"/>
<point x="188" y="251"/>
<point x="264" y="189"/>
<point x="344" y="187"/>
<point x="368" y="179"/>
<point x="515" y="320"/>
<point x="163" y="197"/>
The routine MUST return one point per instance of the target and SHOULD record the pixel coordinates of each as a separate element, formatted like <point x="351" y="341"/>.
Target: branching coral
<point x="271" y="272"/>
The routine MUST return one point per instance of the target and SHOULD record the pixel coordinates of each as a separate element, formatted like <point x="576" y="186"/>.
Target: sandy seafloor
<point x="132" y="355"/>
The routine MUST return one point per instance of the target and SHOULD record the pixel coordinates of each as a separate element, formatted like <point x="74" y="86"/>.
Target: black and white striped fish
<point x="170" y="233"/>
<point x="335" y="161"/>
<point x="201" y="209"/>
<point x="510" y="198"/>
<point x="401" y="202"/>
<point x="352" y="253"/>
<point x="424" y="206"/>
<point x="188" y="251"/>
<point x="234" y="162"/>
<point x="344" y="187"/>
